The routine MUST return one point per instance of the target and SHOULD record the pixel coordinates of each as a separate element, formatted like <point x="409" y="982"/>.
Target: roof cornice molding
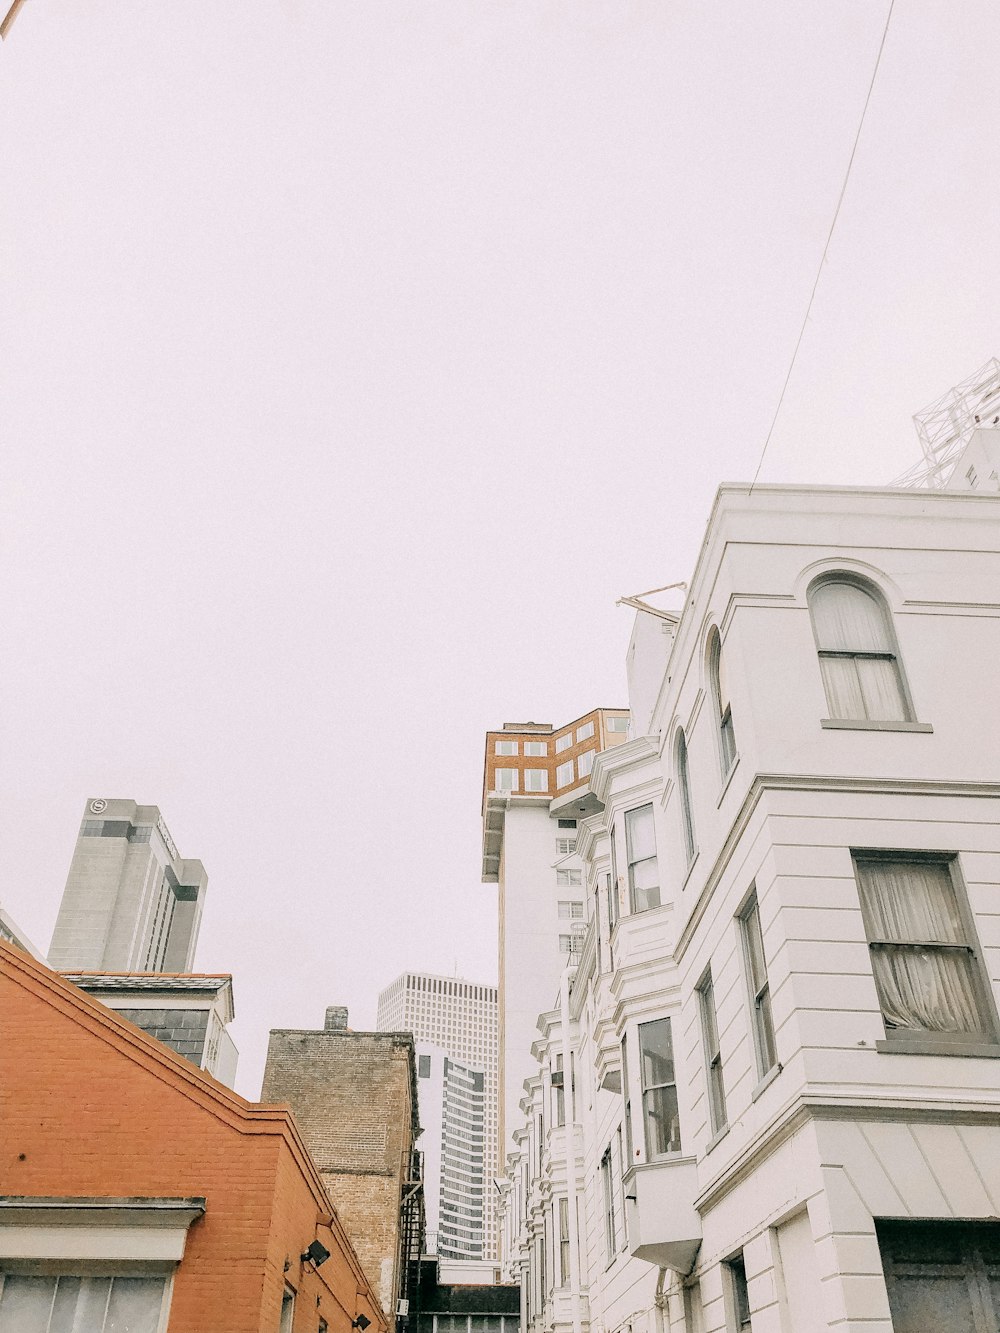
<point x="764" y="782"/>
<point x="619" y="759"/>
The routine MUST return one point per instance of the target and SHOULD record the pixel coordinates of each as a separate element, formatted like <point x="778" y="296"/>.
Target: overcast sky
<point x="357" y="356"/>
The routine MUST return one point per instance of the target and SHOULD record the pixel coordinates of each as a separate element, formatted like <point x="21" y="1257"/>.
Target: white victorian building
<point x="767" y="1094"/>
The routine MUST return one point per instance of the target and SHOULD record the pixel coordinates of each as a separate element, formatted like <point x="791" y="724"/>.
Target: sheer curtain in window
<point x="924" y="966"/>
<point x="857" y="654"/>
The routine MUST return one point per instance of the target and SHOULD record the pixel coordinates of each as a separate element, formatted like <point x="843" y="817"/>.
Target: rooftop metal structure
<point x="945" y="426"/>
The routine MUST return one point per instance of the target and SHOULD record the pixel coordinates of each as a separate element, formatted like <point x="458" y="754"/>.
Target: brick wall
<point x="352" y="1095"/>
<point x="92" y="1106"/>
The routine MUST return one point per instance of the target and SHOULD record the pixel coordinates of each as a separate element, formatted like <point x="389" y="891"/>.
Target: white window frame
<point x="564" y="742"/>
<point x="987" y="1038"/>
<point x="500" y="785"/>
<point x="80" y="1273"/>
<point x="684" y="793"/>
<point x="711" y="1043"/>
<point x="585" y="763"/>
<point x="565" y="774"/>
<point x="536" y="779"/>
<point x="287" y="1310"/>
<point x="890" y="653"/>
<point x="506" y="748"/>
<point x="631" y="816"/>
<point x="536" y="749"/>
<point x="649" y="1091"/>
<point x="584" y="733"/>
<point x="758" y="986"/>
<point x="725" y="734"/>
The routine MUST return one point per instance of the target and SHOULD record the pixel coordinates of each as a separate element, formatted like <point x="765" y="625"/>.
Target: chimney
<point x="336" y="1018"/>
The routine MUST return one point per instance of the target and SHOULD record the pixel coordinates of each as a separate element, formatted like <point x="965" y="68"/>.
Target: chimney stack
<point x="336" y="1018"/>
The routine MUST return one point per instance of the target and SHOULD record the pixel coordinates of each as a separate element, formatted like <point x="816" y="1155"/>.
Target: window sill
<point x="716" y="1139"/>
<point x="727" y="780"/>
<point x="766" y="1081"/>
<point x="690" y="868"/>
<point x="980" y="1050"/>
<point x="864" y="724"/>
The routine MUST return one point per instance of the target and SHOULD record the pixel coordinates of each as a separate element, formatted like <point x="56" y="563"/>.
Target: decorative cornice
<point x="804" y="1109"/>
<point x="764" y="782"/>
<point x="618" y="759"/>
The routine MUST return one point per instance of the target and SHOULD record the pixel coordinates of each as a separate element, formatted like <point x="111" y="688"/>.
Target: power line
<point x="826" y="247"/>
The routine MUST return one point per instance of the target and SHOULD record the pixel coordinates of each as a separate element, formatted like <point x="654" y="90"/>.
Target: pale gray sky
<point x="357" y="356"/>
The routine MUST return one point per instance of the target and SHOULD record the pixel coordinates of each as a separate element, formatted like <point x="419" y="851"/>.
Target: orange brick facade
<point x="91" y="1106"/>
<point x="600" y="739"/>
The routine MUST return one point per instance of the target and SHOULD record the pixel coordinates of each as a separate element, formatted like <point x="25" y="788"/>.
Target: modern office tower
<point x="131" y="902"/>
<point x="535" y="789"/>
<point x="457" y="1088"/>
<point x="783" y="1017"/>
<point x="452" y="1101"/>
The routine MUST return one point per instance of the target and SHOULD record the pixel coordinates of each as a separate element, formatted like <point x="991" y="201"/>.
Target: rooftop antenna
<point x="945" y="426"/>
<point x="10" y="16"/>
<point x="639" y="604"/>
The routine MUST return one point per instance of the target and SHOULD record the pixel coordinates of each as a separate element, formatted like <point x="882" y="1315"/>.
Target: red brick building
<point x="138" y="1193"/>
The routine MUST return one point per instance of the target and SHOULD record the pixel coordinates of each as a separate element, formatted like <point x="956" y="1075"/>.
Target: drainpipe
<point x="661" y="1304"/>
<point x="570" y="1135"/>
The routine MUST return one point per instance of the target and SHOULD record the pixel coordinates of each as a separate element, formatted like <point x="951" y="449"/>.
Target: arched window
<point x="684" y="784"/>
<point x="720" y="701"/>
<point x="857" y="650"/>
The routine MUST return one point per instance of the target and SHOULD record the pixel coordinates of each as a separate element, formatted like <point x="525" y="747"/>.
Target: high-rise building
<point x="453" y="1119"/>
<point x="132" y="903"/>
<point x="535" y="790"/>
<point x="454" y="1023"/>
<point x="127" y="929"/>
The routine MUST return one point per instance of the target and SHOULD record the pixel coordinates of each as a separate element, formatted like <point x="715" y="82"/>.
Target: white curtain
<point x="910" y="907"/>
<point x="74" y="1304"/>
<point x="847" y="619"/>
<point x="859" y="688"/>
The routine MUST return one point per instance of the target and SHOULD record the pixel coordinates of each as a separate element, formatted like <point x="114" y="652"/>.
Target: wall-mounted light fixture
<point x="362" y="1322"/>
<point x="316" y="1254"/>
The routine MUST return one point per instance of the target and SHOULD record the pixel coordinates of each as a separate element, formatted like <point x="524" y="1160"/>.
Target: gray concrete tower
<point x="131" y="902"/>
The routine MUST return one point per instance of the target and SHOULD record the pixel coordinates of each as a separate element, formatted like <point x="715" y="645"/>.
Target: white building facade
<point x="454" y="1026"/>
<point x="767" y="1092"/>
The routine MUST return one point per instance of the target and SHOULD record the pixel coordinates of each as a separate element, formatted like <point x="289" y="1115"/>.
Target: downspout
<point x="661" y="1304"/>
<point x="571" y="1181"/>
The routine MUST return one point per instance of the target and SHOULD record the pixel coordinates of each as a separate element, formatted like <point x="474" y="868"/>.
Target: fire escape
<point x="411" y="1241"/>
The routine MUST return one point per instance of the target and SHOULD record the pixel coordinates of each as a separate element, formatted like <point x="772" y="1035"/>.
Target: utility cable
<point x="826" y="247"/>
